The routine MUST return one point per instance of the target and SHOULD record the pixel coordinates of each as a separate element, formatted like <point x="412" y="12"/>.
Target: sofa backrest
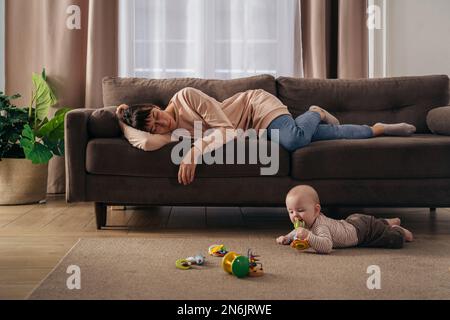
<point x="118" y="91"/>
<point x="367" y="101"/>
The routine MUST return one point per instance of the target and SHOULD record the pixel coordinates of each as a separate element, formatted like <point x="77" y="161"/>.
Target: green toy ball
<point x="241" y="267"/>
<point x="236" y="264"/>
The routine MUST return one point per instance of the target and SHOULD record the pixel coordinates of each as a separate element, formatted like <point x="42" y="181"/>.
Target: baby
<point x="323" y="234"/>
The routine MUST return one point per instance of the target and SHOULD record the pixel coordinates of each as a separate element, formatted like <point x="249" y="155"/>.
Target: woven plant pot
<point x="22" y="182"/>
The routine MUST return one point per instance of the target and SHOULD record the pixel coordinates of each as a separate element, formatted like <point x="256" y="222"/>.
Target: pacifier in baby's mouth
<point x="299" y="223"/>
<point x="298" y="243"/>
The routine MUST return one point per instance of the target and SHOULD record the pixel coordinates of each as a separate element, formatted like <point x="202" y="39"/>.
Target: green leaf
<point x="12" y="122"/>
<point x="54" y="129"/>
<point x="57" y="147"/>
<point x="34" y="151"/>
<point x="44" y="97"/>
<point x="43" y="123"/>
<point x="28" y="139"/>
<point x="63" y="112"/>
<point x="40" y="155"/>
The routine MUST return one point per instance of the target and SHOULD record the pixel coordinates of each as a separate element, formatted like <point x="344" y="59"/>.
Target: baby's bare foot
<point x="394" y="222"/>
<point x="408" y="234"/>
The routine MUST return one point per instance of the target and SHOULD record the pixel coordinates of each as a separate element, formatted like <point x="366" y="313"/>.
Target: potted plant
<point x="28" y="140"/>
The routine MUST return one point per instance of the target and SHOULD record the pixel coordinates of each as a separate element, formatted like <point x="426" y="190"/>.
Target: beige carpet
<point x="145" y="269"/>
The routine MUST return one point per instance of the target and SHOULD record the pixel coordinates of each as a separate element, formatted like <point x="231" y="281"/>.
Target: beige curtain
<point x="76" y="60"/>
<point x="334" y="38"/>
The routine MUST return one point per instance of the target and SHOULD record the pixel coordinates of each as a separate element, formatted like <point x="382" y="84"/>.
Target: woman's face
<point x="160" y="122"/>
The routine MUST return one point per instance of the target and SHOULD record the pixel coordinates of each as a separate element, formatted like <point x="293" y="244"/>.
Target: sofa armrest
<point x="76" y="140"/>
<point x="438" y="121"/>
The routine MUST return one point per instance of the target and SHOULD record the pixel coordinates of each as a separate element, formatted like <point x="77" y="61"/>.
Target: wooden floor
<point x="34" y="238"/>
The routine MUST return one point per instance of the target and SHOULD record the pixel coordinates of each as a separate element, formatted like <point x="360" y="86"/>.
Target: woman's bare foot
<point x="325" y="115"/>
<point x="408" y="234"/>
<point x="394" y="222"/>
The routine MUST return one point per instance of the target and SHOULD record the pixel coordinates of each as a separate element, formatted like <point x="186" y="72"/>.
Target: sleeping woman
<point x="150" y="128"/>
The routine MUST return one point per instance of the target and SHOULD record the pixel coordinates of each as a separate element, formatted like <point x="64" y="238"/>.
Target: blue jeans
<point x="307" y="128"/>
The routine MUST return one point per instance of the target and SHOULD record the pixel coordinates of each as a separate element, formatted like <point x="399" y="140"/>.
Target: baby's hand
<point x="283" y="240"/>
<point x="302" y="233"/>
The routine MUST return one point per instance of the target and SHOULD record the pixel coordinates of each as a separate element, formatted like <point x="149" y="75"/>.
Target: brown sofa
<point x="102" y="167"/>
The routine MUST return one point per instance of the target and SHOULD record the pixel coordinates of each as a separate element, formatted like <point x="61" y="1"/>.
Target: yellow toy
<point x="217" y="250"/>
<point x="241" y="266"/>
<point x="186" y="264"/>
<point x="256" y="268"/>
<point x="298" y="243"/>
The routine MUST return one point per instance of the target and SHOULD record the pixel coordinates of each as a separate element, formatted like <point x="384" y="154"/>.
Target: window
<point x="214" y="39"/>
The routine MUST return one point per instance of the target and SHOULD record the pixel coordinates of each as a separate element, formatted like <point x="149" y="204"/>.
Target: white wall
<point x="418" y="37"/>
<point x="2" y="45"/>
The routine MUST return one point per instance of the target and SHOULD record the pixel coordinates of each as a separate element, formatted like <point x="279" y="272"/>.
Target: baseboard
<point x="118" y="208"/>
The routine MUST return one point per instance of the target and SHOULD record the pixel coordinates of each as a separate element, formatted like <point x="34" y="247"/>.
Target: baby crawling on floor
<point x="323" y="233"/>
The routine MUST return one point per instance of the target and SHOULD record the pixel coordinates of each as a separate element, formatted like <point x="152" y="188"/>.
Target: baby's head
<point x="303" y="204"/>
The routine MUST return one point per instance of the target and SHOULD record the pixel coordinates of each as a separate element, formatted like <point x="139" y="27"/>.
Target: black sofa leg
<point x="432" y="210"/>
<point x="101" y="211"/>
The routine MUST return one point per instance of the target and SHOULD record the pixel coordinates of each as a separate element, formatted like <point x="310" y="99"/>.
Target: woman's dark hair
<point x="136" y="116"/>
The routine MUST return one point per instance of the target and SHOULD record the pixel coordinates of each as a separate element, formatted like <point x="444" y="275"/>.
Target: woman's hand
<point x="186" y="174"/>
<point x="120" y="110"/>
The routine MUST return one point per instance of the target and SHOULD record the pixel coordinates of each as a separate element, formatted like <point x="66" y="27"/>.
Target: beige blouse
<point x="253" y="109"/>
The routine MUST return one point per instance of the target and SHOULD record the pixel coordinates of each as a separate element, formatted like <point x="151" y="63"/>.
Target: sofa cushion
<point x="117" y="91"/>
<point x="103" y="124"/>
<point x="368" y="101"/>
<point x="438" y="121"/>
<point x="419" y="156"/>
<point x="116" y="157"/>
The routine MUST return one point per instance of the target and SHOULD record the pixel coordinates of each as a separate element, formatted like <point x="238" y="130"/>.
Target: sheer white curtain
<point x="2" y="45"/>
<point x="214" y="39"/>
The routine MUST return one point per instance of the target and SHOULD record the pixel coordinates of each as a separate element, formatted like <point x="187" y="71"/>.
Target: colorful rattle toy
<point x="298" y="243"/>
<point x="217" y="250"/>
<point x="186" y="264"/>
<point x="241" y="266"/>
